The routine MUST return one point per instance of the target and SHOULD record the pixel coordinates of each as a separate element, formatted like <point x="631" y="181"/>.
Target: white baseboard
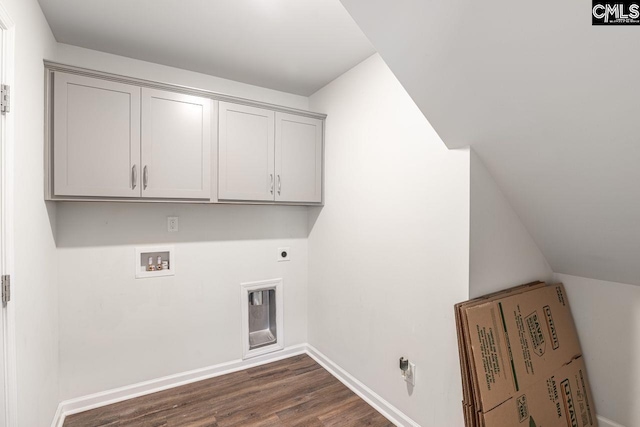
<point x="389" y="411"/>
<point x="92" y="401"/>
<point x="604" y="422"/>
<point x="58" y="417"/>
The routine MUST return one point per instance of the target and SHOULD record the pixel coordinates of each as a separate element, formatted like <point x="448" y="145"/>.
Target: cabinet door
<point x="96" y="137"/>
<point x="246" y="149"/>
<point x="176" y="145"/>
<point x="298" y="159"/>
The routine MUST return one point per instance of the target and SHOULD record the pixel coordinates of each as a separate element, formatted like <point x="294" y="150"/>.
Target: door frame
<point x="7" y="64"/>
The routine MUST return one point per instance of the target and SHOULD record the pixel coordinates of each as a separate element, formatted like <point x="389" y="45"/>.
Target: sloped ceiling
<point x="288" y="45"/>
<point x="550" y="103"/>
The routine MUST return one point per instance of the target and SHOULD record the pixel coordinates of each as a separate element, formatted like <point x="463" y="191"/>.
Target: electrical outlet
<point x="284" y="254"/>
<point x="410" y="374"/>
<point x="172" y="224"/>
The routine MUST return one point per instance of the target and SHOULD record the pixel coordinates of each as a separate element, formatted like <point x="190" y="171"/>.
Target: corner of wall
<point x="391" y="243"/>
<point x="607" y="317"/>
<point x="34" y="252"/>
<point x="502" y="252"/>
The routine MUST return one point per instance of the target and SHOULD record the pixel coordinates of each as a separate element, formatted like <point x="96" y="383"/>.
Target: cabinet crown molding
<point x="51" y="66"/>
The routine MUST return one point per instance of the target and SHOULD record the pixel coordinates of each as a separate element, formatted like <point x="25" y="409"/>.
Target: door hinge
<point x="6" y="289"/>
<point x="5" y="99"/>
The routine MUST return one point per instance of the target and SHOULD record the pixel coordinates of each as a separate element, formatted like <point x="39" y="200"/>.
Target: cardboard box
<point x="467" y="368"/>
<point x="562" y="399"/>
<point x="517" y="340"/>
<point x="521" y="343"/>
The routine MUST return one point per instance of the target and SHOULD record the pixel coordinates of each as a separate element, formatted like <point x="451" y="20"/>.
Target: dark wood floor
<point x="292" y="392"/>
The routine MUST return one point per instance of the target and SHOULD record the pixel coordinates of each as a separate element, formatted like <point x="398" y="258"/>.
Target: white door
<point x="176" y="145"/>
<point x="3" y="366"/>
<point x="298" y="158"/>
<point x="96" y="137"/>
<point x="245" y="156"/>
<point x="4" y="224"/>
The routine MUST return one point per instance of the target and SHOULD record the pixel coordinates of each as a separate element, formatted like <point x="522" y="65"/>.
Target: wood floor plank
<point x="294" y="392"/>
<point x="317" y="405"/>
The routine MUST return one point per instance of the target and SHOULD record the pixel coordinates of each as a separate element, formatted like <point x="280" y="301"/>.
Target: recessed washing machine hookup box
<point x="155" y="261"/>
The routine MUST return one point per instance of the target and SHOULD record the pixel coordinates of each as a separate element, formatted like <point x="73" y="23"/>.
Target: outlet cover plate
<point x="410" y="376"/>
<point x="172" y="224"/>
<point x="284" y="254"/>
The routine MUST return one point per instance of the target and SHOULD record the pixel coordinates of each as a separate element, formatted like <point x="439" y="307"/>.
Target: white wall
<point x="502" y="252"/>
<point x="100" y="61"/>
<point x="607" y="317"/>
<point x="115" y="330"/>
<point x="34" y="293"/>
<point x="511" y="92"/>
<point x="388" y="254"/>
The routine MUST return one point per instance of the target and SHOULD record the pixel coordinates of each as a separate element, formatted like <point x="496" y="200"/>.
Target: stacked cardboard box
<point x="521" y="361"/>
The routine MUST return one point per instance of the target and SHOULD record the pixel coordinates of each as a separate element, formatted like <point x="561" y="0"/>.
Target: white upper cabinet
<point x="96" y="137"/>
<point x="245" y="153"/>
<point x="118" y="138"/>
<point x="298" y="161"/>
<point x="176" y="145"/>
<point x="267" y="156"/>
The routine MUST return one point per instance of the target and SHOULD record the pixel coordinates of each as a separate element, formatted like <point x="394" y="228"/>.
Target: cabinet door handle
<point x="134" y="177"/>
<point x="271" y="183"/>
<point x="279" y="184"/>
<point x="145" y="177"/>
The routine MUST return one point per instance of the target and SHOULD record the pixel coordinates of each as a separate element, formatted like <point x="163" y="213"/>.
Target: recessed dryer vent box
<point x="262" y="317"/>
<point x="166" y="267"/>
